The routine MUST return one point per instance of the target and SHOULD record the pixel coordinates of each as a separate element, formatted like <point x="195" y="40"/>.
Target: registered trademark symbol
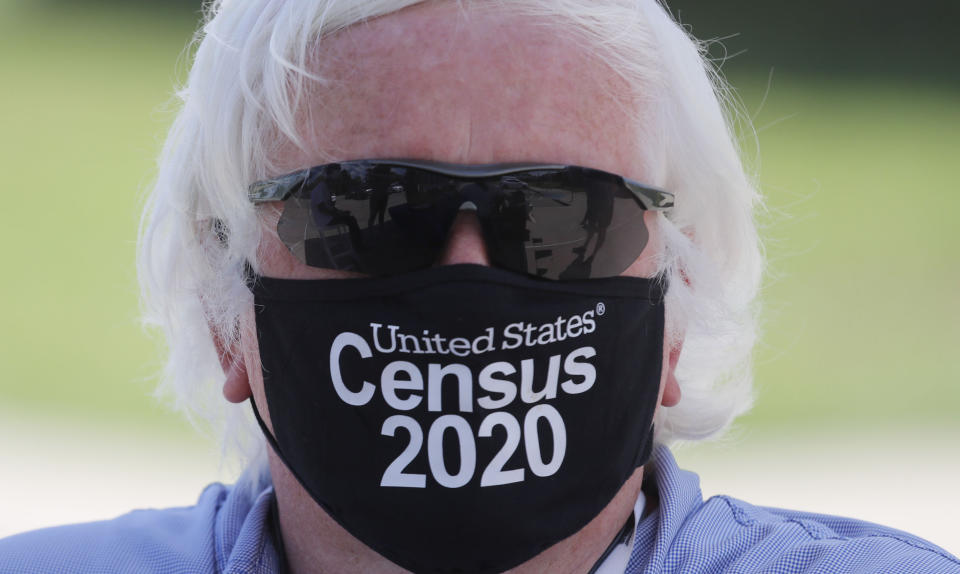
<point x="601" y="308"/>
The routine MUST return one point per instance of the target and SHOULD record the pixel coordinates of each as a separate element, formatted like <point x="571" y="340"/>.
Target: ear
<point x="671" y="389"/>
<point x="236" y="388"/>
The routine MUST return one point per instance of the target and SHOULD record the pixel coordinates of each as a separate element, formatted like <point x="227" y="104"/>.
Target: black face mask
<point x="461" y="419"/>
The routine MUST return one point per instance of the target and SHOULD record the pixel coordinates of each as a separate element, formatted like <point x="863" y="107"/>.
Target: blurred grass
<point x="81" y="113"/>
<point x="862" y="307"/>
<point x="862" y="310"/>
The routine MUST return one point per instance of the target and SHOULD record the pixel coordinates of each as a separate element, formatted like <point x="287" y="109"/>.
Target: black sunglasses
<point x="384" y="217"/>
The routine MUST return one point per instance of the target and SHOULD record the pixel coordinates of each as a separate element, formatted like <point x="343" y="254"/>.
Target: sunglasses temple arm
<point x="653" y="199"/>
<point x="277" y="189"/>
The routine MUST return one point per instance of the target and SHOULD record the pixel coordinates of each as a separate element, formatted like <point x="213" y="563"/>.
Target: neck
<point x="315" y="543"/>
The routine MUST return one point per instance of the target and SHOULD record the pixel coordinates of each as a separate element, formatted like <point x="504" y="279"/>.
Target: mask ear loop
<point x="266" y="432"/>
<point x="272" y="441"/>
<point x="278" y="542"/>
<point x="629" y="527"/>
<point x="275" y="507"/>
<point x="622" y="537"/>
<point x="276" y="448"/>
<point x="646" y="449"/>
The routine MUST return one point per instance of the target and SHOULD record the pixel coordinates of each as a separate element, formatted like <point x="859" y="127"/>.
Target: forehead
<point x="440" y="82"/>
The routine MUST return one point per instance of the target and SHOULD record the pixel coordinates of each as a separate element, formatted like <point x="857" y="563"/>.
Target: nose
<point x="465" y="239"/>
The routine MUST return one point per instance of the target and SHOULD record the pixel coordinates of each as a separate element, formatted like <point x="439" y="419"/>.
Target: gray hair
<point x="250" y="69"/>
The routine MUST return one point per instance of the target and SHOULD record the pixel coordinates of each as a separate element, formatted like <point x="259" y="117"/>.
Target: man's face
<point x="431" y="83"/>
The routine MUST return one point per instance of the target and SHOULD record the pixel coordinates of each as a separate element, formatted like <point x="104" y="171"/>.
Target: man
<point x="455" y="388"/>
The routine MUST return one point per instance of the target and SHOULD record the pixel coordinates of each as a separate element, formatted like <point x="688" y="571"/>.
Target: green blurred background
<point x="857" y="106"/>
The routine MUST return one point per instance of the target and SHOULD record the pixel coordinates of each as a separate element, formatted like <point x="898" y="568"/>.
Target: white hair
<point x="250" y="69"/>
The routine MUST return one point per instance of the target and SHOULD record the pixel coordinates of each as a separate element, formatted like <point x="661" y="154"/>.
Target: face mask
<point x="461" y="418"/>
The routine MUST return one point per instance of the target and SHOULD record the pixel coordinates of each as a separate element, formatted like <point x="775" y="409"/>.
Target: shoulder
<point x="725" y="534"/>
<point x="169" y="540"/>
<point x="779" y="540"/>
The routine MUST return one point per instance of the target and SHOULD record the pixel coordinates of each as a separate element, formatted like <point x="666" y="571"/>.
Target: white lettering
<point x="494" y="474"/>
<point x="435" y="454"/>
<point x="366" y="391"/>
<point x="549" y="390"/>
<point x="589" y="325"/>
<point x="487" y="338"/>
<point x="511" y="337"/>
<point x="376" y="340"/>
<point x="390" y="384"/>
<point x="579" y="369"/>
<point x="531" y="439"/>
<point x="460" y="346"/>
<point x="489" y="383"/>
<point x="435" y="375"/>
<point x="394" y="475"/>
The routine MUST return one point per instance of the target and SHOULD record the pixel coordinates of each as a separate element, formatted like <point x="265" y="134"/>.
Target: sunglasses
<point x="385" y="217"/>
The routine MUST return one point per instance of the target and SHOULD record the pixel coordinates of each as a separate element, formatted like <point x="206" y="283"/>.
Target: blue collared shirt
<point x="228" y="531"/>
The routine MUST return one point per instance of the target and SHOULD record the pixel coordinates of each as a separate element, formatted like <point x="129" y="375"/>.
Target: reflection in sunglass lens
<point x="379" y="218"/>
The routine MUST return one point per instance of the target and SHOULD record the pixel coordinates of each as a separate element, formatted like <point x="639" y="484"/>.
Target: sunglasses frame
<point x="282" y="187"/>
<point x="300" y="183"/>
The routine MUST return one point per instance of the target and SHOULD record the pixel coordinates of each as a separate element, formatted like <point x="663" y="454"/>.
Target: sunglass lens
<point x="566" y="225"/>
<point x="571" y="223"/>
<point x="375" y="231"/>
